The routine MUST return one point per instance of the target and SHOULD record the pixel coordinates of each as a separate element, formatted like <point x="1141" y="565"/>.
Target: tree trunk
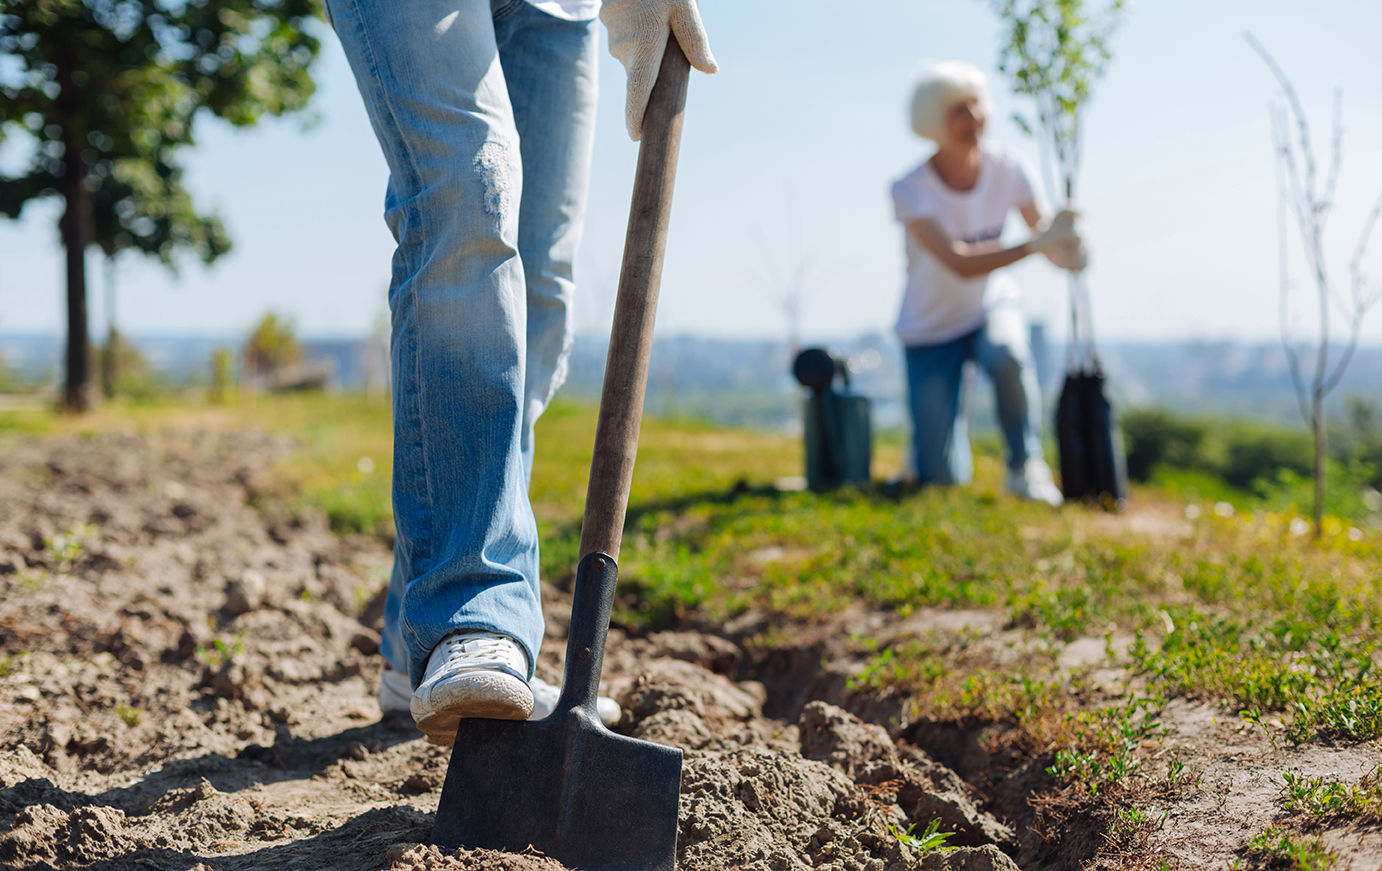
<point x="1321" y="448"/>
<point x="76" y="227"/>
<point x="76" y="222"/>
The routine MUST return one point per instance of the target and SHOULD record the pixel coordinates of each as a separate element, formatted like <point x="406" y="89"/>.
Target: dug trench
<point x="187" y="678"/>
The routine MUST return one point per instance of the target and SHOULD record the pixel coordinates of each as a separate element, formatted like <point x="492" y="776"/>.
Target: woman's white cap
<point x="942" y="86"/>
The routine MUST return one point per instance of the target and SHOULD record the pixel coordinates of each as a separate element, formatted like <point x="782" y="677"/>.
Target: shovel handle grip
<point x="631" y="337"/>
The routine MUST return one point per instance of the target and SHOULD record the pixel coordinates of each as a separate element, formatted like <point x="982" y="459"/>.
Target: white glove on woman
<point x="637" y="38"/>
<point x="1073" y="256"/>
<point x="1059" y="232"/>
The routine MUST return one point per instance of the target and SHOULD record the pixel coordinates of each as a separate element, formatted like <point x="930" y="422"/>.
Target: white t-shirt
<point x="571" y="10"/>
<point x="939" y="305"/>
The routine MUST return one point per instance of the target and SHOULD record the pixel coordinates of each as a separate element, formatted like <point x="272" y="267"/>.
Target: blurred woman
<point x="959" y="303"/>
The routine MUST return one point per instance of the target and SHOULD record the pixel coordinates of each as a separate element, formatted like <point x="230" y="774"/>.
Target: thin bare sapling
<point x="1305" y="197"/>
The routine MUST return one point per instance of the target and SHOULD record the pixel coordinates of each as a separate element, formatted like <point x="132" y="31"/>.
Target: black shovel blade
<point x="587" y="797"/>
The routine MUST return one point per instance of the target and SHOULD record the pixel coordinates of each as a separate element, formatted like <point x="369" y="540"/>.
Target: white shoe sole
<point x="487" y="695"/>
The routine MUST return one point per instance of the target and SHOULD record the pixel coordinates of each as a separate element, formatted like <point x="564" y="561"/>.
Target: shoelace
<point x="498" y="651"/>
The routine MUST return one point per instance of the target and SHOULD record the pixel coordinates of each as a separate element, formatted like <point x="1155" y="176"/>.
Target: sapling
<point x="1054" y="51"/>
<point x="1308" y="198"/>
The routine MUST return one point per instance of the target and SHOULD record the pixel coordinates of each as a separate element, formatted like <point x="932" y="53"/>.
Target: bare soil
<point x="187" y="681"/>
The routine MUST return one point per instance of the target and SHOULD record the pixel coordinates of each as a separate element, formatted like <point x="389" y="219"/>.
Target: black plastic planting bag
<point x="1093" y="465"/>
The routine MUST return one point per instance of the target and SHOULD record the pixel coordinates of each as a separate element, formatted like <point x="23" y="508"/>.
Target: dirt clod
<point x="429" y="858"/>
<point x="840" y="739"/>
<point x="986" y="858"/>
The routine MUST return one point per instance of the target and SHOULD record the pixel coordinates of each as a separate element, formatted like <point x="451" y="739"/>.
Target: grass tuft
<point x="1280" y="850"/>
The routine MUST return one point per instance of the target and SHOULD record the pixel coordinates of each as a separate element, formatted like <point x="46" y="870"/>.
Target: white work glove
<point x="1061" y="231"/>
<point x="638" y="37"/>
<point x="1073" y="256"/>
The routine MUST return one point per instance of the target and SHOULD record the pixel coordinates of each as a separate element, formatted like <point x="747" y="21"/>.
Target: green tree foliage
<point x="1054" y="51"/>
<point x="108" y="90"/>
<point x="272" y="345"/>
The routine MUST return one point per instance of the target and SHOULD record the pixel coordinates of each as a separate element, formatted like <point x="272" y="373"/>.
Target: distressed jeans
<point x="940" y="436"/>
<point x="485" y="112"/>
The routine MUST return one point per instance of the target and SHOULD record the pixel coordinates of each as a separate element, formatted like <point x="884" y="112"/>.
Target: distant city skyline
<point x="747" y="382"/>
<point x="805" y="127"/>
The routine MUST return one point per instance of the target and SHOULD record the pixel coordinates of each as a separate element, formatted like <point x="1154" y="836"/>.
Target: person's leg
<point x="940" y="439"/>
<point x="1002" y="349"/>
<point x="466" y="551"/>
<point x="550" y="64"/>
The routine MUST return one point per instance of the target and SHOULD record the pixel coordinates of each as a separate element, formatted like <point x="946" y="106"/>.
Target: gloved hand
<point x="637" y="38"/>
<point x="1073" y="256"/>
<point x="1060" y="231"/>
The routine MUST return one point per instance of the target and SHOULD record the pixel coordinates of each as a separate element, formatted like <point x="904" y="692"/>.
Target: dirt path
<point x="187" y="681"/>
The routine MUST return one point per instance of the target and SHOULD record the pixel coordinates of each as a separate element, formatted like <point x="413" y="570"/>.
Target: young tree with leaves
<point x="108" y="91"/>
<point x="1054" y="51"/>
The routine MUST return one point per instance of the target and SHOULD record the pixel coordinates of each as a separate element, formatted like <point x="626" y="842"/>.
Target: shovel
<point x="591" y="799"/>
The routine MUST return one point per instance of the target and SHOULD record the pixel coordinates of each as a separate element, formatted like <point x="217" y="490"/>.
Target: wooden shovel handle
<point x="631" y="337"/>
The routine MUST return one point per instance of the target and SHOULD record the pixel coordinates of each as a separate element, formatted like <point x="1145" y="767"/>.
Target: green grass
<point x="1239" y="607"/>
<point x="1276" y="848"/>
<point x="130" y="716"/>
<point x="1322" y="800"/>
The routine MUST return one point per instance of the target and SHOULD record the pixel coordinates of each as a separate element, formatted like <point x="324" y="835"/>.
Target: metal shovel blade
<point x="566" y="785"/>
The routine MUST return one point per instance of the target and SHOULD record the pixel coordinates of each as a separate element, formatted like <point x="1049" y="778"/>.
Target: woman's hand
<point x="638" y="37"/>
<point x="1073" y="256"/>
<point x="1062" y="231"/>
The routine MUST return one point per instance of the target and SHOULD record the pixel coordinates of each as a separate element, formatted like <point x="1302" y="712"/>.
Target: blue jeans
<point x="485" y="111"/>
<point x="940" y="437"/>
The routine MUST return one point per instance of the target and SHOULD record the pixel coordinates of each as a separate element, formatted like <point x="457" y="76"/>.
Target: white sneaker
<point x="394" y="692"/>
<point x="1033" y="481"/>
<point x="545" y="701"/>
<point x="471" y="674"/>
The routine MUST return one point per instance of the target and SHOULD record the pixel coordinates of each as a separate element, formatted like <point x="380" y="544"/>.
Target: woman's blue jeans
<point x="485" y="112"/>
<point x="940" y="436"/>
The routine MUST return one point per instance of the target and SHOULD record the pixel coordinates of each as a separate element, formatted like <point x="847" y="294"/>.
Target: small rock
<point x="245" y="594"/>
<point x="366" y="641"/>
<point x="204" y="791"/>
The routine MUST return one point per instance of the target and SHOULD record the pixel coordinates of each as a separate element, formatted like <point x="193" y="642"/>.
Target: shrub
<point x="1254" y="450"/>
<point x="1241" y="453"/>
<point x="1155" y="435"/>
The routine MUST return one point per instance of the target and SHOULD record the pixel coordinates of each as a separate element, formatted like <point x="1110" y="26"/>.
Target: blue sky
<point x="805" y="127"/>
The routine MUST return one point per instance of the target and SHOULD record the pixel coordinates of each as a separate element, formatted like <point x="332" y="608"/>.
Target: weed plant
<point x="1280" y="850"/>
<point x="1322" y="800"/>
